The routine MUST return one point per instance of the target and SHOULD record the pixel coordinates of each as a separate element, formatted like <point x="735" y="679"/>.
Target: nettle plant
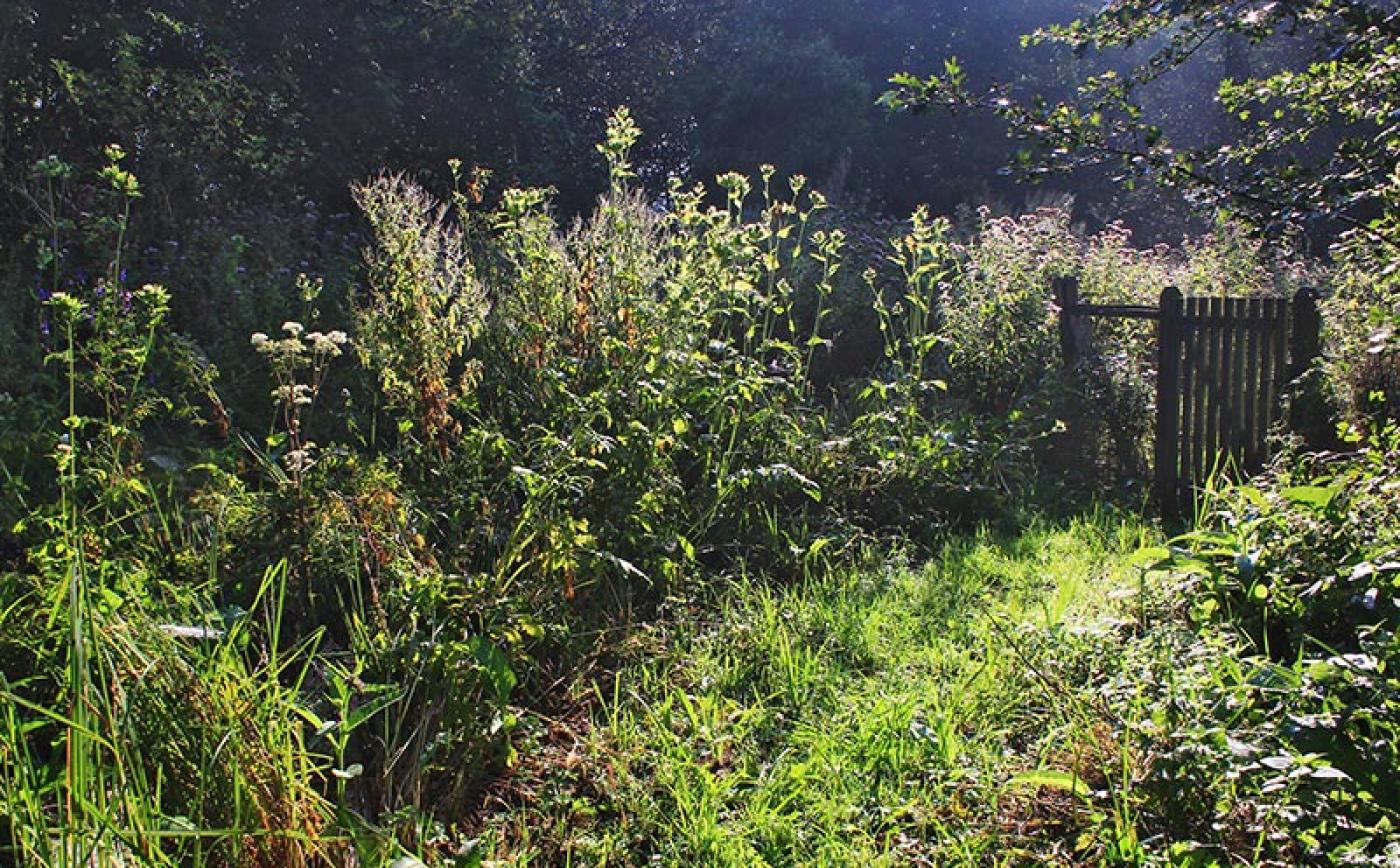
<point x="910" y="324"/>
<point x="1302" y="569"/>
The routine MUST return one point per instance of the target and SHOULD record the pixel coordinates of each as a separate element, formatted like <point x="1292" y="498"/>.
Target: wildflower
<point x="293" y="328"/>
<point x="736" y="184"/>
<point x="298" y="394"/>
<point x="327" y="344"/>
<point x="152" y="295"/>
<point x="67" y="307"/>
<point x="297" y="461"/>
<point x="260" y="340"/>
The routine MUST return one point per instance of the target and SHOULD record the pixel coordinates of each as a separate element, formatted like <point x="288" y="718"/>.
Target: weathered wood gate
<point x="1222" y="368"/>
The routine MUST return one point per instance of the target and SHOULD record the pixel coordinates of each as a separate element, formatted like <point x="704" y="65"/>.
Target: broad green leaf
<point x="1314" y="496"/>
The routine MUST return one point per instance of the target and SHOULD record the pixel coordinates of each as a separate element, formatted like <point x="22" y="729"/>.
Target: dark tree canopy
<point x="222" y="103"/>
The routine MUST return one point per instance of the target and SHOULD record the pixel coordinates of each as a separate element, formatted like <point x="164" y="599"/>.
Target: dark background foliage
<point x="221" y="103"/>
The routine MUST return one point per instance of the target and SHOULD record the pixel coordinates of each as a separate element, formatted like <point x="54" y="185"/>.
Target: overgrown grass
<point x="1075" y="693"/>
<point x="946" y="713"/>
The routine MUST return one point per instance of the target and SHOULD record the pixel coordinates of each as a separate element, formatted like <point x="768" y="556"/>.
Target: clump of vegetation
<point x="528" y="440"/>
<point x="693" y="523"/>
<point x="423" y="306"/>
<point x="1298" y="572"/>
<point x="542" y="431"/>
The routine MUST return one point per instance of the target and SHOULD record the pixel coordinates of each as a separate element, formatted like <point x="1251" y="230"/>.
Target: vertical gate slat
<point x="1211" y="392"/>
<point x="1206" y="372"/>
<point x="1266" y="367"/>
<point x="1190" y="333"/>
<point x="1280" y="342"/>
<point x="1305" y="341"/>
<point x="1241" y="367"/>
<point x="1225" y="444"/>
<point x="1202" y="388"/>
<point x="1254" y="331"/>
<point x="1239" y="433"/>
<point x="1222" y="409"/>
<point x="1218" y="390"/>
<point x="1250" y="396"/>
<point x="1197" y="342"/>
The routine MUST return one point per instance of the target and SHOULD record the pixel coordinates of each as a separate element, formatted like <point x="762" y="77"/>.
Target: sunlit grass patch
<point x="888" y="715"/>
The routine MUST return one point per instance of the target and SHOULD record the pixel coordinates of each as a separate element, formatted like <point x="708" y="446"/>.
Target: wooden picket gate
<point x="1222" y="368"/>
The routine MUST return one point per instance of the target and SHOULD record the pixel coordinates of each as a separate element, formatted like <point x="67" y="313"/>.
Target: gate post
<point x="1306" y="343"/>
<point x="1071" y="326"/>
<point x="1166" y="471"/>
<point x="1307" y="410"/>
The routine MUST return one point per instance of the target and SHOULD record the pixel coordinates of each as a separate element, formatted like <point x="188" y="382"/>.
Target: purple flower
<point x="121" y="278"/>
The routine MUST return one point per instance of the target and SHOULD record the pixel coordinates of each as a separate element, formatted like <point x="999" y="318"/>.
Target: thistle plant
<point x="423" y="306"/>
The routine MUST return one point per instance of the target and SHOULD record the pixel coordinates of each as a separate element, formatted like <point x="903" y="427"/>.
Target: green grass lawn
<point x="952" y="712"/>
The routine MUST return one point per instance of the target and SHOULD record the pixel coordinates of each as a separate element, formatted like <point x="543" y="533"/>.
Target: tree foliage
<point x="221" y="104"/>
<point x="217" y="102"/>
<point x="1315" y="131"/>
